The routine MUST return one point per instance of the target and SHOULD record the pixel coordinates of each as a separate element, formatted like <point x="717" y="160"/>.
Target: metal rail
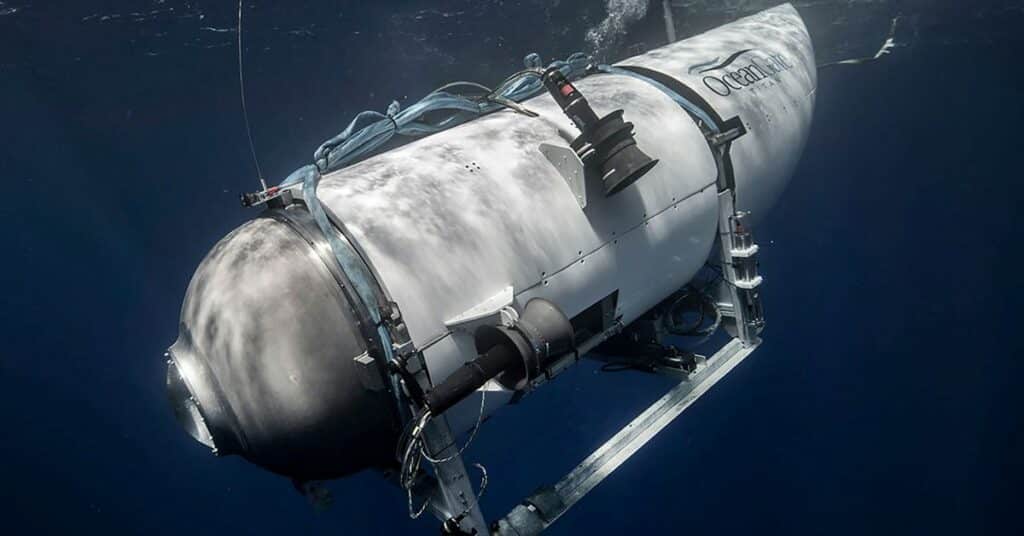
<point x="543" y="508"/>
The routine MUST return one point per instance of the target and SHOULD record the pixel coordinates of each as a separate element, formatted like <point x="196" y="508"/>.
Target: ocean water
<point x="884" y="400"/>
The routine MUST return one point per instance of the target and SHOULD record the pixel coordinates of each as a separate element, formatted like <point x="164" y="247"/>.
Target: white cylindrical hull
<point x="278" y="357"/>
<point x="451" y="220"/>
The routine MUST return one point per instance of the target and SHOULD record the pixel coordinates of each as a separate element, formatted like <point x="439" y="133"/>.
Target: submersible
<point x="481" y="260"/>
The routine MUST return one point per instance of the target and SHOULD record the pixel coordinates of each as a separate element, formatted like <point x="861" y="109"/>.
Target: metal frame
<point x="453" y="495"/>
<point x="738" y="300"/>
<point x="540" y="510"/>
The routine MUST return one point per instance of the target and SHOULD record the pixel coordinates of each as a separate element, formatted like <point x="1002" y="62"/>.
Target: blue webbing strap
<point x="370" y="130"/>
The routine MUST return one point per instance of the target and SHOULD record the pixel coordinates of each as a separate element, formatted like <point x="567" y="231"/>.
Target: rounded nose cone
<point x="265" y="362"/>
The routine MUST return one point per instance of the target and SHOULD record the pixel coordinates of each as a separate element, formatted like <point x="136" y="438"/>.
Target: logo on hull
<point x="761" y="67"/>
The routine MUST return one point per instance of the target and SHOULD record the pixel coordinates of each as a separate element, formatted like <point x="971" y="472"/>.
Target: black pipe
<point x="471" y="376"/>
<point x="513" y="355"/>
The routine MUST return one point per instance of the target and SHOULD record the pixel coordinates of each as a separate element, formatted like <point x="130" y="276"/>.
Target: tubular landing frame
<point x="739" y="302"/>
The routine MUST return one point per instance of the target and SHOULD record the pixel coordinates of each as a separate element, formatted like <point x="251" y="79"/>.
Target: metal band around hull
<point x="296" y="217"/>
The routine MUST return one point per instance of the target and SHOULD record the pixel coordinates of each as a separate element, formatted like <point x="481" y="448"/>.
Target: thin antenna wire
<point x="887" y="46"/>
<point x="245" y="111"/>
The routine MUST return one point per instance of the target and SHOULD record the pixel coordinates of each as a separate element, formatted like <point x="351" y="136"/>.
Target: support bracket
<point x="570" y="167"/>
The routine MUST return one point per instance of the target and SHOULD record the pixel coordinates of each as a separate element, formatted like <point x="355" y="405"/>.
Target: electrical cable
<point x="245" y="111"/>
<point x="413" y="451"/>
<point x="472" y="434"/>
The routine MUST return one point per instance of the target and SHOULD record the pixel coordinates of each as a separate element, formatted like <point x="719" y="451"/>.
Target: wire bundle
<point x="442" y="109"/>
<point x="411" y="451"/>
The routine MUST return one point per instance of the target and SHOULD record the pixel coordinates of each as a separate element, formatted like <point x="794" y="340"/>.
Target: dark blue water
<point x="884" y="400"/>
